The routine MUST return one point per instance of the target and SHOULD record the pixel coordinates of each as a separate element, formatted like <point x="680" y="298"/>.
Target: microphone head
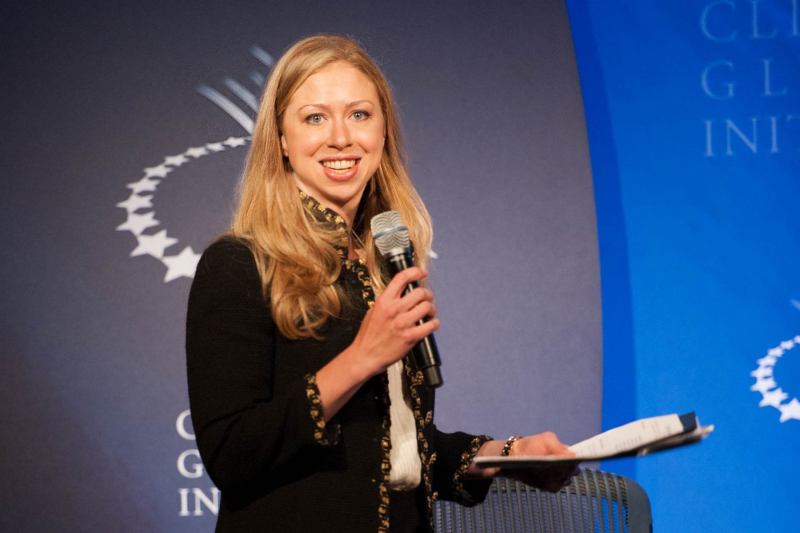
<point x="389" y="232"/>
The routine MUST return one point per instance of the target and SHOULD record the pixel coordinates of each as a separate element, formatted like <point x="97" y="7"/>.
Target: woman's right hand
<point x="391" y="328"/>
<point x="389" y="331"/>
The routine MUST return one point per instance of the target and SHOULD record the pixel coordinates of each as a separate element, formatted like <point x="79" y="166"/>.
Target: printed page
<point x="629" y="436"/>
<point x="636" y="438"/>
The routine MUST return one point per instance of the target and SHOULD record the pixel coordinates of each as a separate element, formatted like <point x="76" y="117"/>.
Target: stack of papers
<point x="637" y="438"/>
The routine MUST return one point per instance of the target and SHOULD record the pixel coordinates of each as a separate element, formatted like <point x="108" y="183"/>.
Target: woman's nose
<point x="339" y="134"/>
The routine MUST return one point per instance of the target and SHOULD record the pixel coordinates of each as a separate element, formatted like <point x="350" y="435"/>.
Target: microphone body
<point x="425" y="354"/>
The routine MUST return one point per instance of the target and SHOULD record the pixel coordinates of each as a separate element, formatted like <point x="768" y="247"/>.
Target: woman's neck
<point x="355" y="250"/>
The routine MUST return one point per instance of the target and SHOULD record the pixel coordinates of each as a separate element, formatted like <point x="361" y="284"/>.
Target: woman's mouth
<point x="340" y="169"/>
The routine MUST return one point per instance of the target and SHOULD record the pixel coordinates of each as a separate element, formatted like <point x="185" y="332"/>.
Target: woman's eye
<point x="360" y="115"/>
<point x="315" y="118"/>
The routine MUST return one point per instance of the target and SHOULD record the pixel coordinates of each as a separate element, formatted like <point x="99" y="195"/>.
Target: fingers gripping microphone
<point x="391" y="238"/>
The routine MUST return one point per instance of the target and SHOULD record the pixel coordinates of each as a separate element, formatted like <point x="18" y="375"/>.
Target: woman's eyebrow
<point x="327" y="107"/>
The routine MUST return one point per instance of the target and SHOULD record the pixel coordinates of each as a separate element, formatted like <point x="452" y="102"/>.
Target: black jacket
<point x="259" y="428"/>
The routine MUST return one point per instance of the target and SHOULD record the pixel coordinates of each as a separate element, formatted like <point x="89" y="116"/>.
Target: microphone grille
<point x="389" y="232"/>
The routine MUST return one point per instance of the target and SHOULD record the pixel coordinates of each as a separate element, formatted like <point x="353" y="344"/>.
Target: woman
<point x="305" y="415"/>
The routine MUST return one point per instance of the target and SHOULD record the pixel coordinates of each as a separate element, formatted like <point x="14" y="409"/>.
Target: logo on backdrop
<point x="772" y="393"/>
<point x="760" y="75"/>
<point x="193" y="501"/>
<point x="240" y="103"/>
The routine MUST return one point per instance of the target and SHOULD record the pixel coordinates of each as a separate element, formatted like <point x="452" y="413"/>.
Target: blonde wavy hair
<point x="295" y="255"/>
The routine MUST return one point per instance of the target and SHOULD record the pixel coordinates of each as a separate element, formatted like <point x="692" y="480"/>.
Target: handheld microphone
<point x="392" y="240"/>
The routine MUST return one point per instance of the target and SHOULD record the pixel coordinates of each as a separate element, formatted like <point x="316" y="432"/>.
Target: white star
<point x="763" y="385"/>
<point x="762" y="372"/>
<point x="790" y="410"/>
<point x="775" y="352"/>
<point x="183" y="264"/>
<point x="136" y="224"/>
<point x="136" y="202"/>
<point x="153" y="244"/>
<point x="215" y="147"/>
<point x="196" y="151"/>
<point x="160" y="171"/>
<point x="143" y="185"/>
<point x="234" y="141"/>
<point x="773" y="398"/>
<point x="787" y="345"/>
<point x="175" y="160"/>
<point x="767" y="361"/>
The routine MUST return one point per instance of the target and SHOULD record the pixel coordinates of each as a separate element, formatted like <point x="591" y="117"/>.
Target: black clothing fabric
<point x="258" y="422"/>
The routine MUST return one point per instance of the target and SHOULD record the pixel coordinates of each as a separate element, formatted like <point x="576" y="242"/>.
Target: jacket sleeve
<point x="454" y="454"/>
<point x="244" y="429"/>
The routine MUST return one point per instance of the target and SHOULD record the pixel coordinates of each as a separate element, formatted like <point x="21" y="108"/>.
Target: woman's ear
<point x="283" y="146"/>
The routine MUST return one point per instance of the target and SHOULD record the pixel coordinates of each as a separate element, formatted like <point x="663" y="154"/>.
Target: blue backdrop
<point x="693" y="117"/>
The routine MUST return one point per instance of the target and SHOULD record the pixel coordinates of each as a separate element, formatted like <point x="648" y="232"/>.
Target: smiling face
<point x="333" y="132"/>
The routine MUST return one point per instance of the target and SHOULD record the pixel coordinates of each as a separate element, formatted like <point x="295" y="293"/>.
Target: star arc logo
<point x="141" y="221"/>
<point x="141" y="216"/>
<point x="772" y="394"/>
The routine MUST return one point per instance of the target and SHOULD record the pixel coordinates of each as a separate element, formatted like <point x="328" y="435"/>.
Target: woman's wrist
<point x="338" y="380"/>
<point x="362" y="367"/>
<point x="508" y="444"/>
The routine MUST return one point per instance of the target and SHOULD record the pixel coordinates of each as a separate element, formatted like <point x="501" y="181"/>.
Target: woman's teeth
<point x="340" y="164"/>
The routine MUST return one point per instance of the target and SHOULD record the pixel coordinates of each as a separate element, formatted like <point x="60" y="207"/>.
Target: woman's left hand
<point x="552" y="478"/>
